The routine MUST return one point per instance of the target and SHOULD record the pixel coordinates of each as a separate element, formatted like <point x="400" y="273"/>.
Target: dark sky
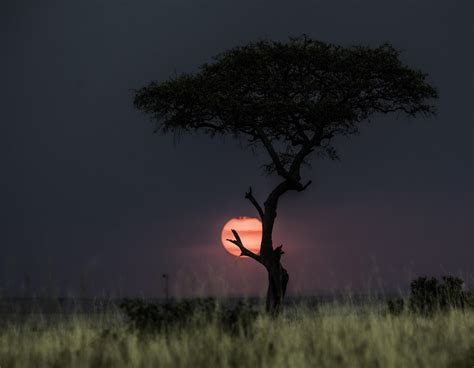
<point x="89" y="193"/>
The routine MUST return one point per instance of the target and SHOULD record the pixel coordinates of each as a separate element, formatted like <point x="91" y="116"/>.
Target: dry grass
<point x="333" y="336"/>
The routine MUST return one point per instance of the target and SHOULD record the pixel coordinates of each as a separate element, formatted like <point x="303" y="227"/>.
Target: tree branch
<point x="252" y="199"/>
<point x="244" y="251"/>
<point x="300" y="130"/>
<point x="294" y="173"/>
<point x="271" y="151"/>
<point x="278" y="252"/>
<point x="209" y="125"/>
<point x="304" y="186"/>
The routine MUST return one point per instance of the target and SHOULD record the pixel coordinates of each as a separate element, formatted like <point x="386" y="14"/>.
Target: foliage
<point x="424" y="295"/>
<point x="469" y="298"/>
<point x="241" y="318"/>
<point x="451" y="294"/>
<point x="148" y="316"/>
<point x="396" y="306"/>
<point x="292" y="97"/>
<point x="151" y="317"/>
<point x="428" y="295"/>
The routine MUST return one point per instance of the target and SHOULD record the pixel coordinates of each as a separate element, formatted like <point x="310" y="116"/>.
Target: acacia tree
<point x="292" y="99"/>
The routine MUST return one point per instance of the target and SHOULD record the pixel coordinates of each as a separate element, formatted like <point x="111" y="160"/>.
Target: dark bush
<point x="451" y="294"/>
<point x="148" y="316"/>
<point x="239" y="319"/>
<point x="144" y="316"/>
<point x="469" y="299"/>
<point x="396" y="306"/>
<point x="424" y="295"/>
<point x="427" y="295"/>
<point x="151" y="317"/>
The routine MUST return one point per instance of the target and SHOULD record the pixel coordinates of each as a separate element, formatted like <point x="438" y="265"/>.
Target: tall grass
<point x="331" y="336"/>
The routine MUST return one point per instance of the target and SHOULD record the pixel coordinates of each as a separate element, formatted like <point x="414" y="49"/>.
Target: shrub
<point x="451" y="294"/>
<point x="151" y="317"/>
<point x="142" y="315"/>
<point x="239" y="319"/>
<point x="427" y="295"/>
<point x="469" y="299"/>
<point x="424" y="295"/>
<point x="396" y="306"/>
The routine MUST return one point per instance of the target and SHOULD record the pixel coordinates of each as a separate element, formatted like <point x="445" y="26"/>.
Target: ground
<point x="331" y="335"/>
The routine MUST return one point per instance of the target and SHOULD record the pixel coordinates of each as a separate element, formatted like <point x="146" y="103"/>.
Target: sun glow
<point x="250" y="232"/>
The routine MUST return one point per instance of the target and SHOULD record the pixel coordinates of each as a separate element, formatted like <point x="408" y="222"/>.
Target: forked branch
<point x="252" y="199"/>
<point x="280" y="169"/>
<point x="304" y="186"/>
<point x="244" y="251"/>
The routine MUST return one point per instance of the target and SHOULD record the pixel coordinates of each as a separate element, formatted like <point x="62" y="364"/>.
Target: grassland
<point x="330" y="336"/>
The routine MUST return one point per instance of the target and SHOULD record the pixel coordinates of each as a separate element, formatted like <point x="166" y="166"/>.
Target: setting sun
<point x="250" y="231"/>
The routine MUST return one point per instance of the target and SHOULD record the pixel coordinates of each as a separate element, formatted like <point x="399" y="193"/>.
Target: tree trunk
<point x="277" y="282"/>
<point x="269" y="256"/>
<point x="277" y="275"/>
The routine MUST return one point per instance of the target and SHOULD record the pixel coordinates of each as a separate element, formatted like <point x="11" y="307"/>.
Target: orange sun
<point x="250" y="231"/>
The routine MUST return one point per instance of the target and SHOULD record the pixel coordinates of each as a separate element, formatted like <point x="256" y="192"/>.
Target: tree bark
<point x="277" y="281"/>
<point x="277" y="275"/>
<point x="269" y="256"/>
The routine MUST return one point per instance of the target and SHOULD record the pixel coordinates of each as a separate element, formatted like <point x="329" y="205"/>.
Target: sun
<point x="250" y="231"/>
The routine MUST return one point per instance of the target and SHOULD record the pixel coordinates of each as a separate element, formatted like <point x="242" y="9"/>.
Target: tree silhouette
<point x="292" y="98"/>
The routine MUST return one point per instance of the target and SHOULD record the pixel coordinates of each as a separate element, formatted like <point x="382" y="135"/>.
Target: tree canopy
<point x="292" y="97"/>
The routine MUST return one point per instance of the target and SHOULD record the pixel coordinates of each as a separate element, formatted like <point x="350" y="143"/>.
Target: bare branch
<point x="244" y="251"/>
<point x="279" y="252"/>
<point x="305" y="186"/>
<point x="252" y="199"/>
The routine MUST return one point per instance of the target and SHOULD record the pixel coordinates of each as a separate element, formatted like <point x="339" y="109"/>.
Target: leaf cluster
<point x="291" y="97"/>
<point x="428" y="295"/>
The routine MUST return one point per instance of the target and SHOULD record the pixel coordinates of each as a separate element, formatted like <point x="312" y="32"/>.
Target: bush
<point x="143" y="316"/>
<point x="396" y="306"/>
<point x="428" y="295"/>
<point x="151" y="317"/>
<point x="451" y="294"/>
<point x="239" y="319"/>
<point x="469" y="299"/>
<point x="424" y="295"/>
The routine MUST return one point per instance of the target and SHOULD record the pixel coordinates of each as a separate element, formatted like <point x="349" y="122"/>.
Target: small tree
<point x="293" y="99"/>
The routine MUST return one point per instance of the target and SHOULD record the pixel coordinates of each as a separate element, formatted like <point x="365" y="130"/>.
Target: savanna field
<point x="326" y="335"/>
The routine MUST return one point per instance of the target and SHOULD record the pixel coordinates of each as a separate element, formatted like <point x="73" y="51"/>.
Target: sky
<point x="92" y="202"/>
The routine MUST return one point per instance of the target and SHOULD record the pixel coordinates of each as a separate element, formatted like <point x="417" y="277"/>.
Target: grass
<point x="331" y="336"/>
